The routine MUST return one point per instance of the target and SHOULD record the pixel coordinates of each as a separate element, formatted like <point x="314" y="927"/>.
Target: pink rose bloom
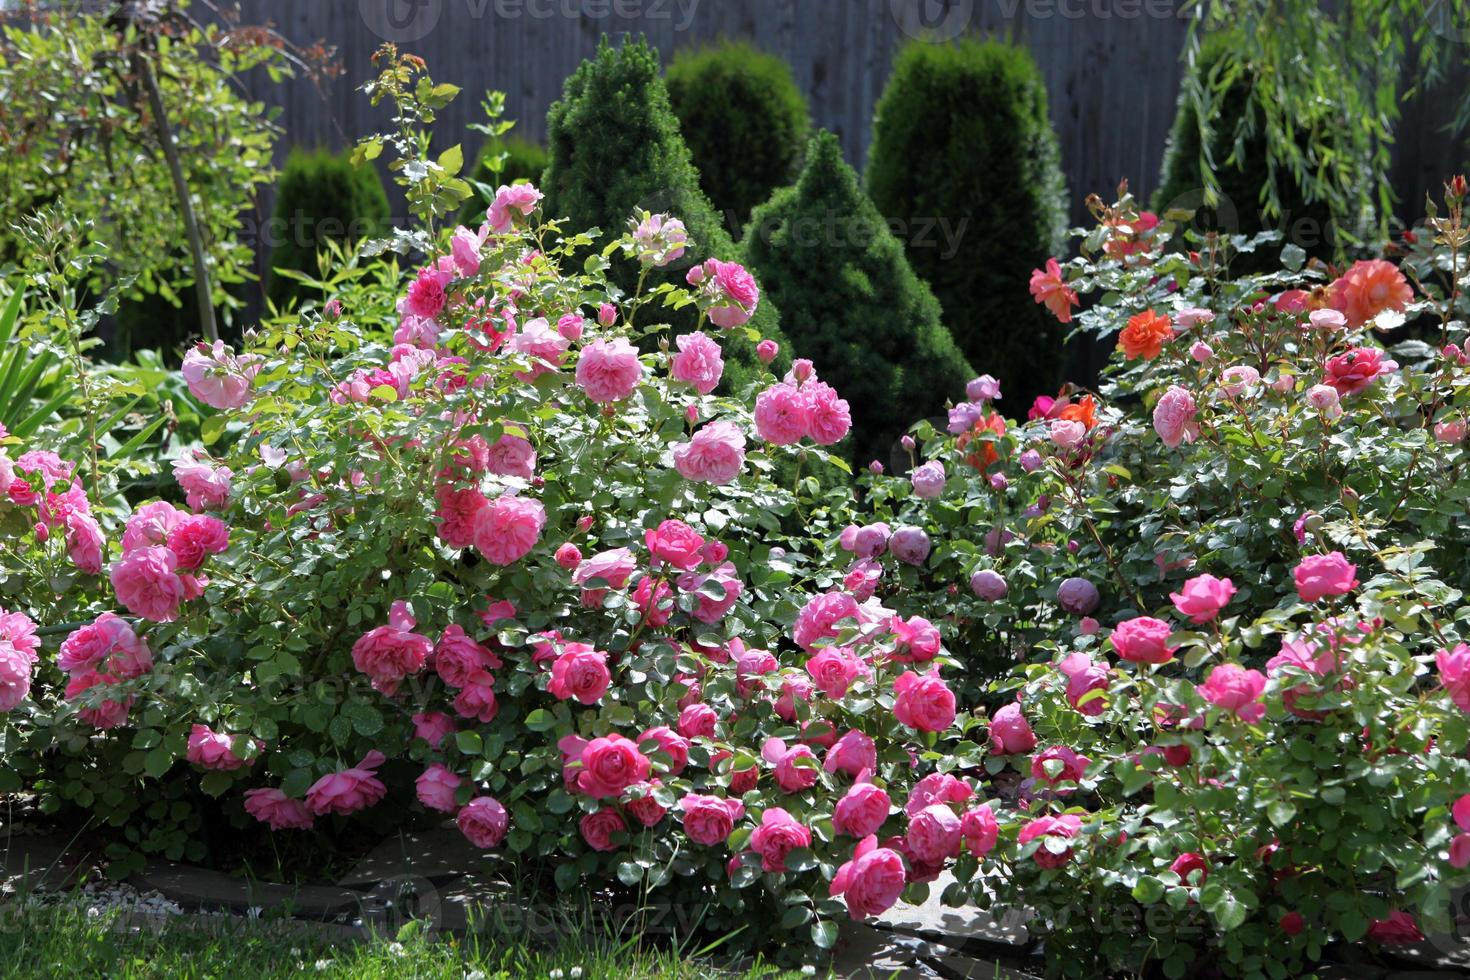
<point x="1451" y="431"/>
<point x="1084" y="677"/>
<point x="435" y="788"/>
<point x="916" y="640"/>
<point x="675" y="543"/>
<point x="711" y="610"/>
<point x="737" y="294"/>
<point x="828" y="417"/>
<point x="1324" y="398"/>
<point x="1233" y="688"/>
<point x="568" y="556"/>
<point x="217" y="377"/>
<point x="1399" y="929"/>
<point x="872" y="881"/>
<point x="457" y="656"/>
<point x="348" y="790"/>
<point x="710" y="820"/>
<point x="150" y="525"/>
<point x="610" y="765"/>
<point x="110" y="713"/>
<point x="15" y="675"/>
<point x="1201" y="351"/>
<point x="57" y="507"/>
<point x="934" y="834"/>
<point x="910" y="545"/>
<point x="1454" y="674"/>
<point x="387" y="654"/>
<point x="671" y="744"/>
<point x="1174" y="417"/>
<point x="1144" y="640"/>
<point x="819" y="618"/>
<point x="84" y="543"/>
<point x="1064" y="827"/>
<point x="1202" y="597"/>
<point x="456" y="511"/>
<point x="109" y="643"/>
<point x="1187" y="864"/>
<point x="213" y="750"/>
<point x="928" y="480"/>
<point x="714" y="454"/>
<point x="861" y="811"/>
<point x="797" y="769"/>
<point x="609" y="370"/>
<point x="766" y="351"/>
<point x="606" y="569"/>
<point x="833" y="669"/>
<point x="1192" y="316"/>
<point x="433" y="727"/>
<point x="277" y="810"/>
<point x="580" y="672"/>
<point x="483" y="821"/>
<point x="1357" y="369"/>
<point x="544" y="346"/>
<point x="1068" y="766"/>
<point x="653" y="599"/>
<point x="426" y="296"/>
<point x="464" y="249"/>
<point x="1238" y="379"/>
<point x="510" y="200"/>
<point x="698" y="362"/>
<point x="854" y="753"/>
<point x="1010" y="732"/>
<point x="1327" y="320"/>
<point x="147" y="583"/>
<point x="1318" y="576"/>
<point x="980" y="830"/>
<point x="508" y="527"/>
<point x="17" y="631"/>
<point x="781" y="415"/>
<point x="195" y="537"/>
<point x="698" y="719"/>
<point x="778" y="835"/>
<point x="643" y="805"/>
<point x="511" y="456"/>
<point x="205" y="487"/>
<point x="923" y="702"/>
<point x="1067" y="433"/>
<point x="598" y="828"/>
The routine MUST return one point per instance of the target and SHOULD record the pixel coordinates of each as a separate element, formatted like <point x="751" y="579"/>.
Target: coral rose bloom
<point x="1145" y="335"/>
<point x="1050" y="290"/>
<point x="1368" y="288"/>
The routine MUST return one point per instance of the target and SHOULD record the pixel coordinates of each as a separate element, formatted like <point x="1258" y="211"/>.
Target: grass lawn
<point x="64" y="940"/>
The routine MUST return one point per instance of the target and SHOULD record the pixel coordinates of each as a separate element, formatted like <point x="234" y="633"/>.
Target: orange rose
<point x="1084" y="411"/>
<point x="1145" y="335"/>
<point x="986" y="453"/>
<point x="1368" y="288"/>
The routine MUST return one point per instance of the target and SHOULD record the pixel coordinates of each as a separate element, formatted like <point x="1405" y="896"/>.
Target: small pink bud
<point x="907" y="442"/>
<point x="333" y="309"/>
<point x="875" y="468"/>
<point x="570" y="327"/>
<point x="692" y="414"/>
<point x="607" y="314"/>
<point x="801" y="369"/>
<point x="1088" y="626"/>
<point x="43" y="533"/>
<point x="695" y="276"/>
<point x="1201" y="351"/>
<point x="767" y="350"/>
<point x="998" y="481"/>
<point x="568" y="555"/>
<point x="584" y="523"/>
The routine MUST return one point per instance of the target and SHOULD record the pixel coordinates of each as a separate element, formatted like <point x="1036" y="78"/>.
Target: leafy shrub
<point x="982" y="204"/>
<point x="616" y="151"/>
<point x="742" y="117"/>
<point x="851" y="301"/>
<point x="1232" y="582"/>
<point x="502" y="160"/>
<point x="1238" y="155"/>
<point x="321" y="196"/>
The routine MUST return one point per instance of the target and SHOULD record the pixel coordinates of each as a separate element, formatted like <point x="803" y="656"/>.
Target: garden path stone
<point x="933" y="919"/>
<point x="38" y="861"/>
<point x="438" y="855"/>
<point x="193" y="887"/>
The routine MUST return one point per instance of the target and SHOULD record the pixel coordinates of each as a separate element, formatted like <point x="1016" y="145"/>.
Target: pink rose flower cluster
<point x="727" y="293"/>
<point x="164" y="551"/>
<point x="801" y="407"/>
<point x="103" y="653"/>
<point x="18" y="645"/>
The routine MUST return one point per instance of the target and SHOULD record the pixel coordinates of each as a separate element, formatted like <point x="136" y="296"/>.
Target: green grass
<point x="63" y="940"/>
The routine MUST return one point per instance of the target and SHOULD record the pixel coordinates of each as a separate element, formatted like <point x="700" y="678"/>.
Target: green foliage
<point x="321" y="196"/>
<point x="743" y="118"/>
<point x="615" y="150"/>
<point x="1239" y="160"/>
<point x="852" y="303"/>
<point x="502" y="160"/>
<point x="965" y="161"/>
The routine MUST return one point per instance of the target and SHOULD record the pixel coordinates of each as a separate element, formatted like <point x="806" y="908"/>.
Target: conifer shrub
<point x="744" y="120"/>
<point x="321" y="196"/>
<point x="852" y="302"/>
<point x="964" y="162"/>
<point x="615" y="149"/>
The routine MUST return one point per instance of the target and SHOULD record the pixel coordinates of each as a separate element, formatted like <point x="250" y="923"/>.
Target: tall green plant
<point x="853" y="304"/>
<point x="982" y="204"/>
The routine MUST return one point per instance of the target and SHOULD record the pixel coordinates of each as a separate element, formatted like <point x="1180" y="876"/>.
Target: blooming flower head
<point x="507" y="528"/>
<point x="1237" y="690"/>
<point x="609" y="370"/>
<point x="580" y="672"/>
<point x="1358" y="368"/>
<point x="1052" y="832"/>
<point x="108" y="644"/>
<point x="511" y="200"/>
<point x="732" y="290"/>
<point x="715" y="454"/>
<point x="1050" y="289"/>
<point x="609" y="765"/>
<point x="1010" y="732"/>
<point x="923" y="702"/>
<point x="1318" y="576"/>
<point x="348" y="790"/>
<point x="217" y="377"/>
<point x="483" y="821"/>
<point x="778" y="835"/>
<point x="1202" y="597"/>
<point x="659" y="239"/>
<point x="781" y="415"/>
<point x="213" y="750"/>
<point x="277" y="810"/>
<point x="147" y="583"/>
<point x="1174" y="417"/>
<point x="1367" y="289"/>
<point x="698" y="363"/>
<point x="1145" y="335"/>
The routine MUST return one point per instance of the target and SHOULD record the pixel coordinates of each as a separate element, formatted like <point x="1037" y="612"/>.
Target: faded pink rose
<point x="483" y="821"/>
<point x="511" y="456"/>
<point x="205" y="487"/>
<point x="1318" y="576"/>
<point x="508" y="527"/>
<point x="277" y="810"/>
<point x="217" y="377"/>
<point x="1174" y="417"/>
<point x="435" y="788"/>
<point x="433" y="727"/>
<point x="147" y="583"/>
<point x="609" y="370"/>
<point x="714" y="454"/>
<point x="348" y="790"/>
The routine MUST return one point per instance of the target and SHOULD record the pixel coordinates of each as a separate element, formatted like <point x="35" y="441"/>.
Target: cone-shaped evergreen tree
<point x="852" y="303"/>
<point x="965" y="158"/>
<point x="744" y="120"/>
<point x="615" y="149"/>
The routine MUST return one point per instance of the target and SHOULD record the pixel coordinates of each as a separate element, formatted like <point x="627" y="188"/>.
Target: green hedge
<point x="744" y="120"/>
<point x="615" y="149"/>
<point x="524" y="162"/>
<point x="852" y="303"/>
<point x="965" y="162"/>
<point x="321" y="196"/>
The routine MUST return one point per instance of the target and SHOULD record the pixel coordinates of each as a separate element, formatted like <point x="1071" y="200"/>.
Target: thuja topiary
<point x="744" y="120"/>
<point x="321" y="197"/>
<point x="615" y="150"/>
<point x="852" y="302"/>
<point x="965" y="164"/>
